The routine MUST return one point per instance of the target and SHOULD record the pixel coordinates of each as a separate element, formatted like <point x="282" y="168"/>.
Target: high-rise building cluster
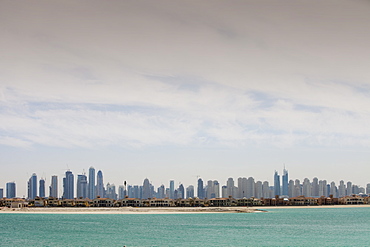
<point x="92" y="186"/>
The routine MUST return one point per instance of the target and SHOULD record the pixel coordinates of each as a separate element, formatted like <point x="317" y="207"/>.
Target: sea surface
<point x="277" y="227"/>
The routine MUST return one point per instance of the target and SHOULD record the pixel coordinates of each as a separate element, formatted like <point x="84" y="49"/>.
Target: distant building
<point x="323" y="188"/>
<point x="242" y="187"/>
<point x="258" y="189"/>
<point x="91" y="186"/>
<point x="315" y="187"/>
<point x="190" y="191"/>
<point x="180" y="192"/>
<point x="297" y="188"/>
<point x="146" y="189"/>
<point x="265" y="189"/>
<point x="68" y="186"/>
<point x="161" y="192"/>
<point x="42" y="188"/>
<point x="111" y="191"/>
<point x="341" y="189"/>
<point x="276" y="184"/>
<point x="32" y="186"/>
<point x="99" y="185"/>
<point x="349" y="191"/>
<point x="1" y="193"/>
<point x="368" y="189"/>
<point x="230" y="188"/>
<point x="285" y="179"/>
<point x="291" y="188"/>
<point x="250" y="187"/>
<point x="82" y="188"/>
<point x="121" y="192"/>
<point x="54" y="187"/>
<point x="200" y="189"/>
<point x="10" y="190"/>
<point x="306" y="188"/>
<point x="172" y="189"/>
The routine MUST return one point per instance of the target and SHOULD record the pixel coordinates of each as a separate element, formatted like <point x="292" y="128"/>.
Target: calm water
<point x="278" y="227"/>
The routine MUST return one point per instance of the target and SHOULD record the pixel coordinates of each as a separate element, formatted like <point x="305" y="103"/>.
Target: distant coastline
<point x="130" y="210"/>
<point x="163" y="210"/>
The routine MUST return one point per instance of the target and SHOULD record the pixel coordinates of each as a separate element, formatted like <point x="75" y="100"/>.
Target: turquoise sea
<point x="277" y="227"/>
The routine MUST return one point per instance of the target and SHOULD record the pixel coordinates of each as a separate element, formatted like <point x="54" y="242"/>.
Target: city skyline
<point x="240" y="187"/>
<point x="176" y="91"/>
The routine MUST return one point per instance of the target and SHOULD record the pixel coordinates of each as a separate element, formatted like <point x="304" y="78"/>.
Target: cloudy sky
<point x="180" y="89"/>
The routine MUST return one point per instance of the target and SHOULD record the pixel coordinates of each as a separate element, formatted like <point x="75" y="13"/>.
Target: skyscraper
<point x="181" y="192"/>
<point x="322" y="188"/>
<point x="266" y="189"/>
<point x="190" y="191"/>
<point x="111" y="191"/>
<point x="285" y="179"/>
<point x="32" y="186"/>
<point x="99" y="184"/>
<point x="54" y="187"/>
<point x="250" y="187"/>
<point x="68" y="186"/>
<point x="172" y="189"/>
<point x="291" y="188"/>
<point x="315" y="187"/>
<point x="306" y="187"/>
<point x="276" y="184"/>
<point x="200" y="189"/>
<point x="230" y="187"/>
<point x="10" y="190"/>
<point x="121" y="192"/>
<point x="341" y="189"/>
<point x="297" y="188"/>
<point x="82" y="186"/>
<point x="161" y="192"/>
<point x="91" y="190"/>
<point x="349" y="188"/>
<point x="1" y="193"/>
<point x="242" y="187"/>
<point x="258" y="189"/>
<point x="146" y="189"/>
<point x="42" y="188"/>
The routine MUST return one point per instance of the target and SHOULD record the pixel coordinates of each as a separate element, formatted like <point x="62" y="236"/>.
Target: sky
<point x="180" y="89"/>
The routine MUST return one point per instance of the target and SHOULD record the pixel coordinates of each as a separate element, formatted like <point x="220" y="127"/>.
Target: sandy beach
<point x="164" y="210"/>
<point x="266" y="208"/>
<point x="131" y="210"/>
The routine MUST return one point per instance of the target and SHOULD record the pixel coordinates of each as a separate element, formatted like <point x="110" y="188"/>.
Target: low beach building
<point x="103" y="202"/>
<point x="129" y="202"/>
<point x="13" y="202"/>
<point x="302" y="201"/>
<point x="351" y="200"/>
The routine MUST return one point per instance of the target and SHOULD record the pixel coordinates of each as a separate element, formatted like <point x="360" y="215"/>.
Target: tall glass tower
<point x="42" y="188"/>
<point x="91" y="190"/>
<point x="54" y="187"/>
<point x="200" y="189"/>
<point x="99" y="184"/>
<point x="172" y="189"/>
<point x="68" y="185"/>
<point x="276" y="184"/>
<point x="32" y="186"/>
<point x="10" y="190"/>
<point x="285" y="179"/>
<point x="81" y="186"/>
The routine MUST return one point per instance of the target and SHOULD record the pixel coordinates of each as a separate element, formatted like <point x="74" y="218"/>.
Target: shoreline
<point x="162" y="210"/>
<point x="130" y="210"/>
<point x="315" y="206"/>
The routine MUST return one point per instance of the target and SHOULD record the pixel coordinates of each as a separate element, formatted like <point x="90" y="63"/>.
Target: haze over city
<point x="174" y="90"/>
